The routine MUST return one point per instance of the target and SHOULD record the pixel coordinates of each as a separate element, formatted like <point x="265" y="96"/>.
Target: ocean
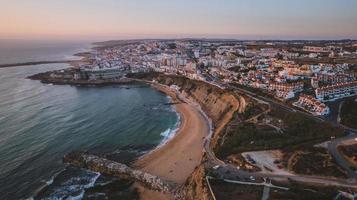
<point x="21" y="51"/>
<point x="40" y="123"/>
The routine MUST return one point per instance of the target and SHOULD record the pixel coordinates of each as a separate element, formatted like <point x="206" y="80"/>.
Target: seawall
<point x="108" y="167"/>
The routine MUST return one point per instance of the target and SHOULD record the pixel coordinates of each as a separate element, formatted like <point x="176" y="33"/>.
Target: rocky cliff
<point x="196" y="187"/>
<point x="218" y="104"/>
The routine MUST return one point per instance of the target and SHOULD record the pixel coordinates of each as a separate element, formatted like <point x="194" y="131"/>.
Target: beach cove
<point x="200" y="106"/>
<point x="118" y="121"/>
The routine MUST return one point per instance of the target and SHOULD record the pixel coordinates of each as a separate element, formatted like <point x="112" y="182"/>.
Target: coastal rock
<point x="105" y="166"/>
<point x="196" y="187"/>
<point x="219" y="105"/>
<point x="66" y="77"/>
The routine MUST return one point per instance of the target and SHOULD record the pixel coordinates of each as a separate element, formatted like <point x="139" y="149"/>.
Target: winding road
<point x="228" y="171"/>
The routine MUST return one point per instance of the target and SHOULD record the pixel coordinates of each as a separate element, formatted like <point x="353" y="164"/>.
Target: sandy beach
<point x="177" y="159"/>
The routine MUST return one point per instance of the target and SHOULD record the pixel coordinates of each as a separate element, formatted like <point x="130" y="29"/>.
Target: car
<point x="216" y="167"/>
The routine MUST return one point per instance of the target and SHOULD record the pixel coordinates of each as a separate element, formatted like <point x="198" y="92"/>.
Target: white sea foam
<point x="89" y="185"/>
<point x="49" y="182"/>
<point x="170" y="132"/>
<point x="78" y="197"/>
<point x="93" y="180"/>
<point x="167" y="134"/>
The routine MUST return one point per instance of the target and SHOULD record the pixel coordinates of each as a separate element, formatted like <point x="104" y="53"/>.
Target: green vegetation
<point x="349" y="113"/>
<point x="252" y="110"/>
<point x="228" y="191"/>
<point x="298" y="131"/>
<point x="304" y="192"/>
<point x="296" y="191"/>
<point x="313" y="161"/>
<point x="248" y="137"/>
<point x="143" y="75"/>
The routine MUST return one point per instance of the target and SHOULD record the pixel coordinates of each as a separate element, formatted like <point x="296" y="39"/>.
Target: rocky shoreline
<point x="47" y="79"/>
<point x="216" y="103"/>
<point x="119" y="170"/>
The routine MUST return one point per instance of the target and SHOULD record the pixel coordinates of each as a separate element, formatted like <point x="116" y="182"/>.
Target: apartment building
<point x="312" y="105"/>
<point x="295" y="86"/>
<point x="336" y="91"/>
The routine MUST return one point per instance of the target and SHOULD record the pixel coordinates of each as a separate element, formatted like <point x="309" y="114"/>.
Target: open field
<point x="228" y="191"/>
<point x="313" y="161"/>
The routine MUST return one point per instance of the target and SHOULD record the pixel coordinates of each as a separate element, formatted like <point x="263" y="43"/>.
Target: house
<point x="295" y="86"/>
<point x="285" y="95"/>
<point x="312" y="105"/>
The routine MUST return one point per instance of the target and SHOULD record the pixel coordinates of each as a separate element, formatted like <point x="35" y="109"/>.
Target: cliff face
<point x="218" y="104"/>
<point x="196" y="187"/>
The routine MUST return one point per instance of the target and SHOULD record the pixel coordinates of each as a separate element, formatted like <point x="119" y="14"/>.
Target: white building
<point x="337" y="91"/>
<point x="97" y="73"/>
<point x="312" y="105"/>
<point x="285" y="95"/>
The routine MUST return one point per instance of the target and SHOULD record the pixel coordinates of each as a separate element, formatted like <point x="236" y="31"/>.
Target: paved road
<point x="332" y="148"/>
<point x="266" y="192"/>
<point x="274" y="103"/>
<point x="227" y="171"/>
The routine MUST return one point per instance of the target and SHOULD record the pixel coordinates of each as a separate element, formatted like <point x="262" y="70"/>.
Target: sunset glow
<point x="178" y="18"/>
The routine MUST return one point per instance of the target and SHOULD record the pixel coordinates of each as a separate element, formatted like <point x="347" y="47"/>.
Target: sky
<point x="236" y="19"/>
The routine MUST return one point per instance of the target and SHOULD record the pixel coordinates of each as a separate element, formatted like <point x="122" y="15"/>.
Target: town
<point x="277" y="113"/>
<point x="304" y="74"/>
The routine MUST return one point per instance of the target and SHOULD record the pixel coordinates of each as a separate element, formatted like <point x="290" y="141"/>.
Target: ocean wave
<point x="49" y="182"/>
<point x="46" y="184"/>
<point x="92" y="182"/>
<point x="72" y="189"/>
<point x="170" y="132"/>
<point x="78" y="197"/>
<point x="126" y="124"/>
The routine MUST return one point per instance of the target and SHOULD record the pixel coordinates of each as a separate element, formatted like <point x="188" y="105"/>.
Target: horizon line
<point x="98" y="40"/>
